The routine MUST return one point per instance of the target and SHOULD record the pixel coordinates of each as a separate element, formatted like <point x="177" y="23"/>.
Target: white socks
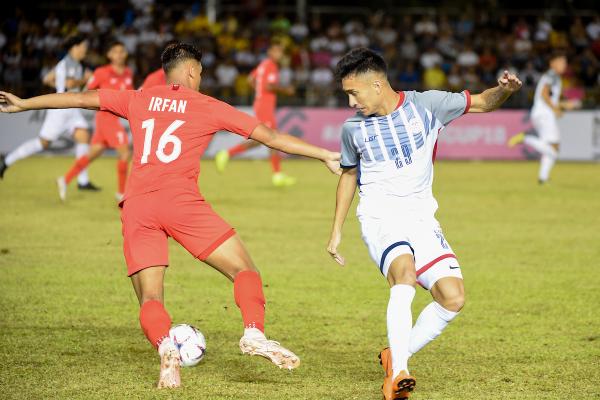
<point x="399" y="324"/>
<point x="549" y="155"/>
<point x="25" y="150"/>
<point x="81" y="149"/>
<point x="547" y="162"/>
<point x="254" y="333"/>
<point x="431" y="322"/>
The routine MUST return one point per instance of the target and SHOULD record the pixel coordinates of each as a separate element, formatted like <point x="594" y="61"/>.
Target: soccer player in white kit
<point x="388" y="151"/>
<point x="547" y="108"/>
<point x="68" y="75"/>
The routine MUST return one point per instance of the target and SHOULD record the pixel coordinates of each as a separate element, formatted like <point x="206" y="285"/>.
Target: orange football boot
<point x="394" y="389"/>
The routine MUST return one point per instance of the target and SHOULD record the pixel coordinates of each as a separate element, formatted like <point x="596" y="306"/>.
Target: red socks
<point x="276" y="162"/>
<point x="122" y="174"/>
<point x="80" y="164"/>
<point x="240" y="148"/>
<point x="155" y="321"/>
<point x="249" y="296"/>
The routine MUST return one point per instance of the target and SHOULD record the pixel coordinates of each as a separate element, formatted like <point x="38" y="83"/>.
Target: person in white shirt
<point x="388" y="151"/>
<point x="547" y="108"/>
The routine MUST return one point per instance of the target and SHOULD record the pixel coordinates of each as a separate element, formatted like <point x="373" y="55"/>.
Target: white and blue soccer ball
<point x="190" y="342"/>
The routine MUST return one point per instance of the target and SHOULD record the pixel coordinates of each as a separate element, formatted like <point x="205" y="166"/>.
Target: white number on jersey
<point x="165" y="139"/>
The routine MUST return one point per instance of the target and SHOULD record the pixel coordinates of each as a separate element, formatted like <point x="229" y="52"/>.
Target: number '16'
<point x="166" y="138"/>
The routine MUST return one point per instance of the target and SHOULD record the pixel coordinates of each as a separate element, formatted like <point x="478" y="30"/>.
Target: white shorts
<point x="389" y="238"/>
<point x="546" y="127"/>
<point x="58" y="122"/>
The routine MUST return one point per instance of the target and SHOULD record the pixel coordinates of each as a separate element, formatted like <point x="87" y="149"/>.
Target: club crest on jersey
<point x="168" y="105"/>
<point x="415" y="125"/>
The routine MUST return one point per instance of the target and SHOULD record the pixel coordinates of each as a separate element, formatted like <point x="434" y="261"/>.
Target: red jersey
<point x="106" y="77"/>
<point x="155" y="78"/>
<point x="267" y="72"/>
<point x="171" y="127"/>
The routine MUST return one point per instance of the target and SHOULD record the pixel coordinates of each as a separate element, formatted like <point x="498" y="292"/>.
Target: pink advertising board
<point x="470" y="137"/>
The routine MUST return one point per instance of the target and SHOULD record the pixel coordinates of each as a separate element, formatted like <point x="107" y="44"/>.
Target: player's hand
<point x="509" y="82"/>
<point x="558" y="112"/>
<point x="9" y="103"/>
<point x="569" y="105"/>
<point x="333" y="163"/>
<point x="334" y="242"/>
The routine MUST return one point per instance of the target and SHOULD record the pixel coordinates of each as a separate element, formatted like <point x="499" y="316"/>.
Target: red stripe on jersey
<point x="401" y="99"/>
<point x="468" y="105"/>
<point x="425" y="267"/>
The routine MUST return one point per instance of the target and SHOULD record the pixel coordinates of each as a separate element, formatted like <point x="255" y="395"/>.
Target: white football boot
<point x="255" y="343"/>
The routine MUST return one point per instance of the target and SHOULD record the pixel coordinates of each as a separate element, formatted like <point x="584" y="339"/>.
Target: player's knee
<point x="455" y="302"/>
<point x="402" y="272"/>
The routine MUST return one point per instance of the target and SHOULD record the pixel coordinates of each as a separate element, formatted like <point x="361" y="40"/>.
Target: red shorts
<point x="266" y="116"/>
<point x="110" y="133"/>
<point x="149" y="219"/>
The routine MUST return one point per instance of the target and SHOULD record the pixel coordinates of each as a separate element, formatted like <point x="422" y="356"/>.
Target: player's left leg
<point x="222" y="157"/>
<point x="124" y="155"/>
<point x="232" y="259"/>
<point x="82" y="139"/>
<point x="156" y="322"/>
<point x="78" y="166"/>
<point x="449" y="298"/>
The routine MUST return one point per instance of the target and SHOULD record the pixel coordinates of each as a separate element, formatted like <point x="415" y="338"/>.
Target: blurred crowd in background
<point x="434" y="50"/>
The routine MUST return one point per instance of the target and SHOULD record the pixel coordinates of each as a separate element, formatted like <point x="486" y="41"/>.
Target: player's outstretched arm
<point x="9" y="103"/>
<point x="292" y="145"/>
<point x="344" y="195"/>
<point x="491" y="99"/>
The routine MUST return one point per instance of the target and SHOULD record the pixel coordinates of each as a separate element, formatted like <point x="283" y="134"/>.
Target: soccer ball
<point x="190" y="342"/>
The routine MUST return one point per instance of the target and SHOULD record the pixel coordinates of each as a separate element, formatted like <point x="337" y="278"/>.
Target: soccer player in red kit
<point x="155" y="78"/>
<point x="109" y="131"/>
<point x="172" y="125"/>
<point x="265" y="80"/>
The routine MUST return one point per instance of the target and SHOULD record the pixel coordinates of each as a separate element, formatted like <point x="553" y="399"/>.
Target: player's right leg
<point x="546" y="144"/>
<point x="146" y="252"/>
<point x="156" y="322"/>
<point x="79" y="165"/>
<point x="52" y="127"/>
<point x="232" y="259"/>
<point x="81" y="136"/>
<point x="401" y="276"/>
<point x="124" y="155"/>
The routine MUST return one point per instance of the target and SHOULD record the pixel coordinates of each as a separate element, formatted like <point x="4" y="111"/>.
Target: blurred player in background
<point x="68" y="75"/>
<point x="172" y="126"/>
<point x="388" y="151"/>
<point x="547" y="108"/>
<point x="265" y="80"/>
<point x="109" y="131"/>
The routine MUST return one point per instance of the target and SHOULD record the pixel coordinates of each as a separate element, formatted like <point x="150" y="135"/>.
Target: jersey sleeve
<point x="116" y="101"/>
<point x="445" y="106"/>
<point x="230" y="119"/>
<point x="60" y="77"/>
<point x="95" y="80"/>
<point x="350" y="157"/>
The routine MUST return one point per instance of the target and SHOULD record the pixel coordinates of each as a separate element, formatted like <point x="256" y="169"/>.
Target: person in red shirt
<point x="265" y="80"/>
<point x="109" y="131"/>
<point x="172" y="126"/>
<point x="155" y="78"/>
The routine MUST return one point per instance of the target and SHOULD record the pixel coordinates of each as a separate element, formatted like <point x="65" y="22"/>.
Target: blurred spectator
<point x="432" y="50"/>
<point x="434" y="77"/>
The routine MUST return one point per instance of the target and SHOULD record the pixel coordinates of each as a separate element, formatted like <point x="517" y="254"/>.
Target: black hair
<point x="358" y="61"/>
<point x="73" y="40"/>
<point x="176" y="53"/>
<point x="559" y="53"/>
<point x="114" y="43"/>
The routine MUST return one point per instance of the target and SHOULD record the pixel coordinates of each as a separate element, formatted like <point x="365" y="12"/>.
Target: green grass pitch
<point x="530" y="256"/>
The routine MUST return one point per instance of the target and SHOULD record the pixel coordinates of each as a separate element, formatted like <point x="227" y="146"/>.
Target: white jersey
<point x="395" y="152"/>
<point x="67" y="68"/>
<point x="540" y="107"/>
